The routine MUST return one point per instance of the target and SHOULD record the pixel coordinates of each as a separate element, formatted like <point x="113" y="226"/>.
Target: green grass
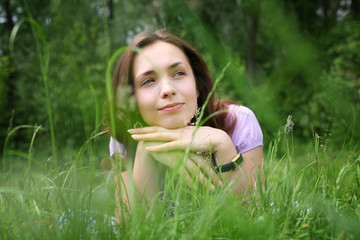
<point x="310" y="192"/>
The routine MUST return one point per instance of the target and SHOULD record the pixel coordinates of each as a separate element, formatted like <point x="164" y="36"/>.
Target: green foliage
<point x="342" y="82"/>
<point x="306" y="60"/>
<point x="5" y="72"/>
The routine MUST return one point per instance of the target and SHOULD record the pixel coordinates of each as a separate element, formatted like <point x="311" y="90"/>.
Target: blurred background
<point x="288" y="57"/>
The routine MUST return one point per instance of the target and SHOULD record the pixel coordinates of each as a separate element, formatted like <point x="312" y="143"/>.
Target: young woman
<point x="170" y="82"/>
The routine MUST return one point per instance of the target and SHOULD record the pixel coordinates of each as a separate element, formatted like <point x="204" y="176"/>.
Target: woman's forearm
<point x="123" y="199"/>
<point x="146" y="173"/>
<point x="143" y="183"/>
<point x="223" y="148"/>
<point x="245" y="178"/>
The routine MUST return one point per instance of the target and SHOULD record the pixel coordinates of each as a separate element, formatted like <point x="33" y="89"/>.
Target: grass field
<point x="310" y="192"/>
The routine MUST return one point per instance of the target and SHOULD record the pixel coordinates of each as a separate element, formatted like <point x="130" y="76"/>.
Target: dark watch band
<point x="238" y="159"/>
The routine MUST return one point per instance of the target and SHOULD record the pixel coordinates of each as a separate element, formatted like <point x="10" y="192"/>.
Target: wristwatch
<point x="235" y="162"/>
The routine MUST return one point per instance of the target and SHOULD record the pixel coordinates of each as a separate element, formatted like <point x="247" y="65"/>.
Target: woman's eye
<point x="178" y="74"/>
<point x="147" y="81"/>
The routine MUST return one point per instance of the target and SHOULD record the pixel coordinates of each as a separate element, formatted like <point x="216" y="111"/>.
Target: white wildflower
<point x="289" y="125"/>
<point x="125" y="101"/>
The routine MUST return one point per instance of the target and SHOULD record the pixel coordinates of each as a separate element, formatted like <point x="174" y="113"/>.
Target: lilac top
<point x="247" y="133"/>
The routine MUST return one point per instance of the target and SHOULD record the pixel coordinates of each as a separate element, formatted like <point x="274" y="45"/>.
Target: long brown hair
<point x="123" y="76"/>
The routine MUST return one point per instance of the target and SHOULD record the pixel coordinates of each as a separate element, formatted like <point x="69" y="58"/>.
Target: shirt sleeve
<point x="116" y="147"/>
<point x="247" y="132"/>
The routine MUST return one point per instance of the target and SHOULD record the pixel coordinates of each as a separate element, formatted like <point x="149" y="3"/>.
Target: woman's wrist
<point x="224" y="149"/>
<point x="234" y="163"/>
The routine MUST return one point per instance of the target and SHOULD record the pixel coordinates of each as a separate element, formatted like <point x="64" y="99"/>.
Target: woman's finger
<point x="156" y="136"/>
<point x="206" y="167"/>
<point x="196" y="172"/>
<point x="169" y="146"/>
<point x="188" y="180"/>
<point x="146" y="130"/>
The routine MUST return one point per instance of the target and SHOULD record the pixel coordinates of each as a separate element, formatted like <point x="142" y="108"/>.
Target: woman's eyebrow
<point x="176" y="64"/>
<point x="146" y="73"/>
<point x="150" y="72"/>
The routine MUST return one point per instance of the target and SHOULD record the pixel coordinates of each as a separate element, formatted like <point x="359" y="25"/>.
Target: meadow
<point x="309" y="192"/>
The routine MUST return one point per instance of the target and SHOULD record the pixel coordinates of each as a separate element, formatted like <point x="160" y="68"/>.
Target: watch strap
<point x="235" y="162"/>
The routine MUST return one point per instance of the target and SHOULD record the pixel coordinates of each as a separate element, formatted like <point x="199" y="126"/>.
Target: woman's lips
<point x="171" y="107"/>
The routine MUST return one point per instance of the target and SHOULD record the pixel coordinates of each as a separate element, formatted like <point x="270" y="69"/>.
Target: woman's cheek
<point x="145" y="100"/>
<point x="147" y="108"/>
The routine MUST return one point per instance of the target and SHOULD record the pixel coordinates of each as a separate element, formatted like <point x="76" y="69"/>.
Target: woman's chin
<point x="174" y="124"/>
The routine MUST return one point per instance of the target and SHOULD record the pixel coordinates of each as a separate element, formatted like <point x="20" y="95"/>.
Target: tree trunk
<point x="9" y="81"/>
<point x="325" y="8"/>
<point x="9" y="21"/>
<point x="111" y="9"/>
<point x="355" y="9"/>
<point x="250" y="60"/>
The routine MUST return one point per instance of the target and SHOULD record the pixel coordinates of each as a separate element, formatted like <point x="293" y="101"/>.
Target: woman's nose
<point x="167" y="89"/>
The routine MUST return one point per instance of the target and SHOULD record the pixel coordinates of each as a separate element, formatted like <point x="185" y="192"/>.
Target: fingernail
<point x="149" y="148"/>
<point x="130" y="130"/>
<point x="135" y="136"/>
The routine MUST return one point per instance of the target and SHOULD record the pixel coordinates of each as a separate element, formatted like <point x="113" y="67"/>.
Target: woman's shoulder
<point x="247" y="132"/>
<point x="239" y="108"/>
<point x="241" y="112"/>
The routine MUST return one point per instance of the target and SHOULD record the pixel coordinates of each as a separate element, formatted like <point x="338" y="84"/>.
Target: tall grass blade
<point x="42" y="49"/>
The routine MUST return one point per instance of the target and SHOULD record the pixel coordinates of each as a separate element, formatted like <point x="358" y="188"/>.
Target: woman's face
<point x="164" y="86"/>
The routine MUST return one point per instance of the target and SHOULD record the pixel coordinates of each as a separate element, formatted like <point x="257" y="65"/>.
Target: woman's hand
<point x="206" y="139"/>
<point x="178" y="139"/>
<point x="161" y="142"/>
<point x="194" y="168"/>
